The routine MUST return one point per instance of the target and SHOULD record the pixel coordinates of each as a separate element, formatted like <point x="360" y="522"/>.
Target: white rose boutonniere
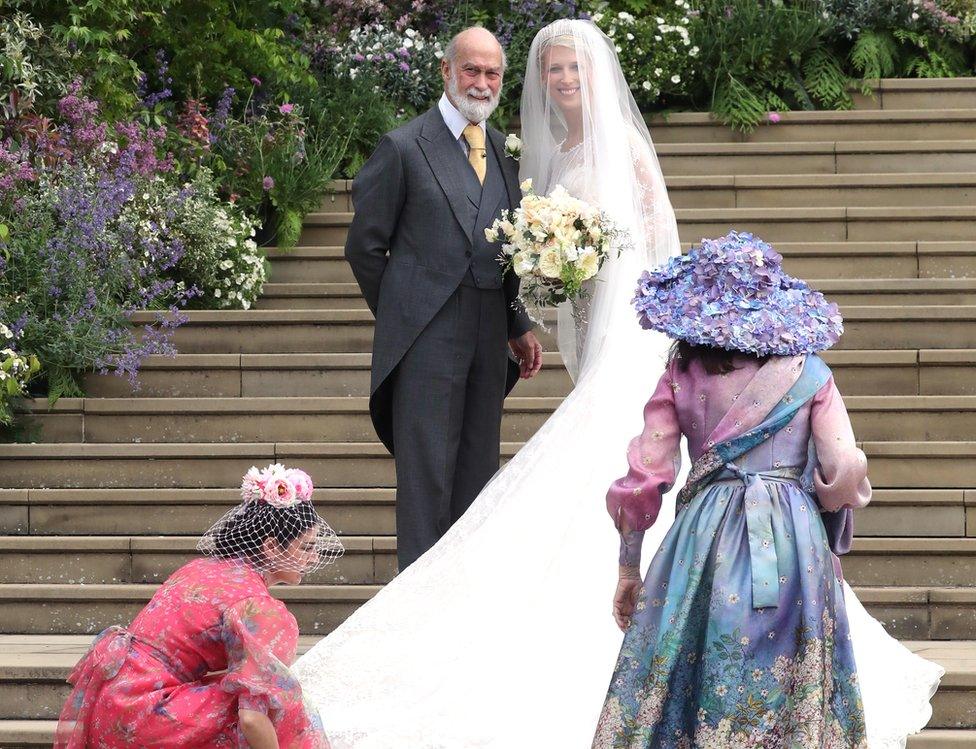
<point x="513" y="146"/>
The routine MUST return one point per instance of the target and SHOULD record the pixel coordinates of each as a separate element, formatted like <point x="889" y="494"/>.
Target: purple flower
<point x="256" y="81"/>
<point x="404" y="67"/>
<point x="286" y="108"/>
<point x="268" y="183"/>
<point x="731" y="292"/>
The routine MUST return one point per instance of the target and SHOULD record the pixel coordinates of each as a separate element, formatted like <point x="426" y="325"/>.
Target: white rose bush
<point x="554" y="243"/>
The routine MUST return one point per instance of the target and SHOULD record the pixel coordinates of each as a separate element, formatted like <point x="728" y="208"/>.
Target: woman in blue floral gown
<point x="738" y="636"/>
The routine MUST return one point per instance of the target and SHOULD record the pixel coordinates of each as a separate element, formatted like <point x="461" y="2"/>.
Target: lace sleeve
<point x="655" y="216"/>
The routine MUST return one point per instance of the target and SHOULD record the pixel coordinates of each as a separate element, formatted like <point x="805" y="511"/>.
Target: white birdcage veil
<point x="275" y="528"/>
<point x="613" y="166"/>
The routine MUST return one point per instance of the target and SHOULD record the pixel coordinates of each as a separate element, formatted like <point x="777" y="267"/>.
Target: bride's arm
<point x="656" y="220"/>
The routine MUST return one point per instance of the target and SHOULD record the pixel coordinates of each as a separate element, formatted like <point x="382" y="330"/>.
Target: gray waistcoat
<point x="484" y="203"/>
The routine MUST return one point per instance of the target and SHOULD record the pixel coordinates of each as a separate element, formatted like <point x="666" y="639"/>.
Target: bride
<point x="502" y="635"/>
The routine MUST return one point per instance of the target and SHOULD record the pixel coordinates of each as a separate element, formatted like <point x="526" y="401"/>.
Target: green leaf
<point x="62" y="382"/>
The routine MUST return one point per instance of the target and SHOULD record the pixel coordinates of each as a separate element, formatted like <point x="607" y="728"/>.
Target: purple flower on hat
<point x="732" y="293"/>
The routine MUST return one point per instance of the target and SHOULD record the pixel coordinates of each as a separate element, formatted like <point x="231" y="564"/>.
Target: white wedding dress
<point x="502" y="635"/>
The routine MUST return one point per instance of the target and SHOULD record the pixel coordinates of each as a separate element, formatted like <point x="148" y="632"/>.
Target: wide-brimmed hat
<point x="732" y="293"/>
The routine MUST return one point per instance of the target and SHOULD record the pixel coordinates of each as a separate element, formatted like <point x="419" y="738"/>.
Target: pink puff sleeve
<point x="654" y="458"/>
<point x="261" y="638"/>
<point x="841" y="482"/>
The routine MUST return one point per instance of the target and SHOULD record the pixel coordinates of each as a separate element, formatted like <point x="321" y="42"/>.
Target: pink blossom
<point x="256" y="81"/>
<point x="279" y="492"/>
<point x="252" y="487"/>
<point x="267" y="183"/>
<point x="302" y="483"/>
<point x="286" y="108"/>
<point x="773" y="117"/>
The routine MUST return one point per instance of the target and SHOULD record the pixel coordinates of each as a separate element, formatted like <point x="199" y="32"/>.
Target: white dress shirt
<point x="456" y="122"/>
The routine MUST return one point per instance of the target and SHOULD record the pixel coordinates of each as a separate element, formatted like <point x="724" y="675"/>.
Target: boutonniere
<point x="513" y="146"/>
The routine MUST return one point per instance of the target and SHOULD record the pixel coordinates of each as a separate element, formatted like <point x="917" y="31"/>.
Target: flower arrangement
<point x="16" y="370"/>
<point x="403" y="65"/>
<point x="276" y="485"/>
<point x="732" y="293"/>
<point x="655" y="50"/>
<point x="554" y="244"/>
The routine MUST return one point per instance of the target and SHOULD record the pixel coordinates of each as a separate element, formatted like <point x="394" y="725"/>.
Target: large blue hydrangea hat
<point x="732" y="293"/>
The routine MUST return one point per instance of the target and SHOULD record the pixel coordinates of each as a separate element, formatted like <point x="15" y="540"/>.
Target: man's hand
<point x="528" y="351"/>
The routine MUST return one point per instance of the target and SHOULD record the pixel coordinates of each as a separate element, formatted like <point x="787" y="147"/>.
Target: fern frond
<point x="738" y="106"/>
<point x="826" y="82"/>
<point x="875" y="54"/>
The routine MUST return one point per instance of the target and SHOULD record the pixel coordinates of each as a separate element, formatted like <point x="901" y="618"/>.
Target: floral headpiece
<point x="239" y="534"/>
<point x="732" y="293"/>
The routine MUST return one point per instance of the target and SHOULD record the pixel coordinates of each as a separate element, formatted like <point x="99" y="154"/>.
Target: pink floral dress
<point x="153" y="684"/>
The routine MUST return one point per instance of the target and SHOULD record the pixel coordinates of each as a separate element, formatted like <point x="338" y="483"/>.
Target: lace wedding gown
<point x="502" y="635"/>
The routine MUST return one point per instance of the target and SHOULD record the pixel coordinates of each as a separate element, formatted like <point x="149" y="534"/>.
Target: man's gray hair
<point x="450" y="51"/>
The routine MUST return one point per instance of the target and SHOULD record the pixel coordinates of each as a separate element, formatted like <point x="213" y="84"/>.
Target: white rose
<point x="513" y="142"/>
<point x="217" y="293"/>
<point x="526" y="186"/>
<point x="646" y="85"/>
<point x="630" y="37"/>
<point x="675" y="79"/>
<point x="589" y="263"/>
<point x="550" y="264"/>
<point x="522" y="263"/>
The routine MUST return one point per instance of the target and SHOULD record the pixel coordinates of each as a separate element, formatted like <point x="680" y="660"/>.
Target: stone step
<point x="351" y="331"/>
<point x="347" y="419"/>
<point x="919" y="93"/>
<point x="168" y="512"/>
<point x="861" y="292"/>
<point x="822" y="260"/>
<point x="894" y="465"/>
<point x="34" y="668"/>
<point x="819" y="126"/>
<point x="174" y="512"/>
<point x="371" y="560"/>
<point x="27" y="734"/>
<point x="921" y="613"/>
<point x="858" y="372"/>
<point x="248" y="419"/>
<point x="745" y="190"/>
<point x="105" y="560"/>
<point x="893" y="223"/>
<point x="42" y="608"/>
<point x="808" y="158"/>
<point x="234" y="375"/>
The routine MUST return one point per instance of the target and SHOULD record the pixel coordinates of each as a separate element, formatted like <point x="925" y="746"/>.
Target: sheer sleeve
<point x="654" y="458"/>
<point x="841" y="479"/>
<point x="261" y="638"/>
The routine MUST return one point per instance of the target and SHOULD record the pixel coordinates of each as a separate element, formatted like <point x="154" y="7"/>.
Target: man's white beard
<point x="473" y="111"/>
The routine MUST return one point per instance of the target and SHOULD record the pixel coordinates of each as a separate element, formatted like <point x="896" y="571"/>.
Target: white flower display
<point x="554" y="243"/>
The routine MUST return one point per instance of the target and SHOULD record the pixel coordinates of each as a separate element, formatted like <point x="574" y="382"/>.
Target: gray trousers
<point x="448" y="393"/>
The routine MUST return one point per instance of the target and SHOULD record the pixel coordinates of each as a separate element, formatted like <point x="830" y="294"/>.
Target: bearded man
<point x="446" y="315"/>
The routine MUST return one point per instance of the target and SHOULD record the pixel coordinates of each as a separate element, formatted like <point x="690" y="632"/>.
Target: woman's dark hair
<point x="244" y="536"/>
<point x="714" y="360"/>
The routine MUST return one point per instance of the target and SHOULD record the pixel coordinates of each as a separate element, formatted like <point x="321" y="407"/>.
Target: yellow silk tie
<point x="477" y="154"/>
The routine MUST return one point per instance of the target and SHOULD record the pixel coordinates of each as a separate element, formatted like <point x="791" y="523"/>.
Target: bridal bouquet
<point x="553" y="243"/>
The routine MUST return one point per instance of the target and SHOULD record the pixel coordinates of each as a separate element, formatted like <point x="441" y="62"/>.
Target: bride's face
<point x="562" y="77"/>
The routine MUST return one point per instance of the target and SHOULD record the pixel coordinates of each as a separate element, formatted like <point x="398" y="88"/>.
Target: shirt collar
<point x="455" y="121"/>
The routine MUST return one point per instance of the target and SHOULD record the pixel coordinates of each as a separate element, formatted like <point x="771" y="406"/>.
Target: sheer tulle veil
<point x="616" y="168"/>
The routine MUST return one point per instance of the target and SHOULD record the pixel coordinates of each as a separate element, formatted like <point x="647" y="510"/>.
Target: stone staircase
<point x="875" y="206"/>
